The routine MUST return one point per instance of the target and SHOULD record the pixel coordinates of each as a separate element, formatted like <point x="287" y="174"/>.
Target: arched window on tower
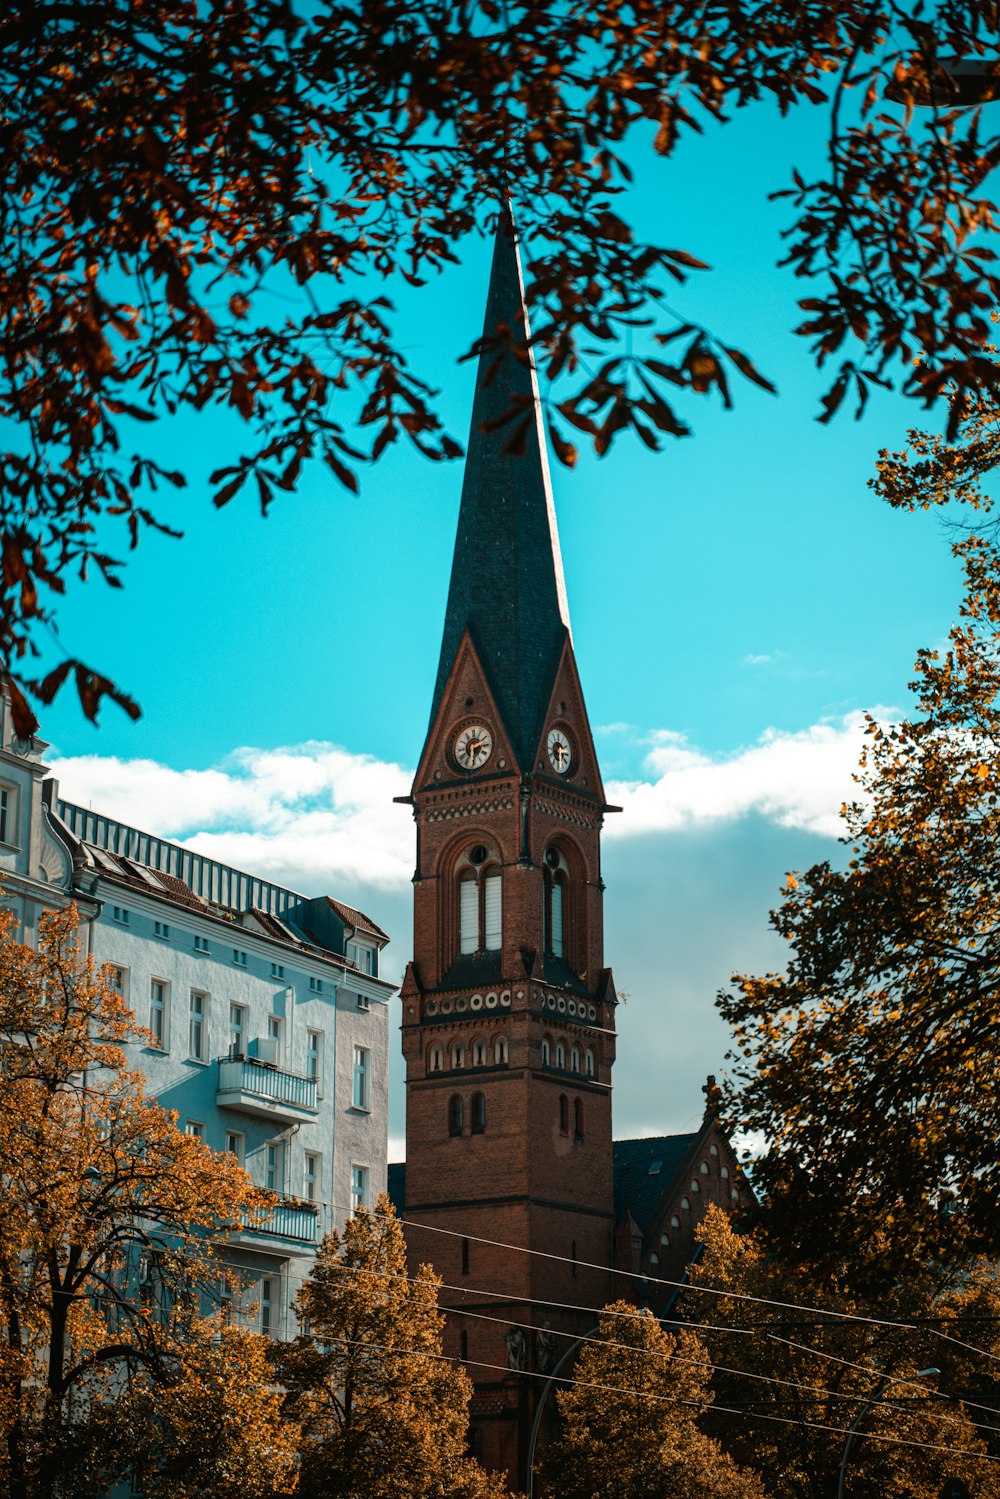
<point x="578" y="1118"/>
<point x="556" y="878"/>
<point x="479" y="1053"/>
<point x="564" y="1114"/>
<point x="588" y="1063"/>
<point x="574" y="1059"/>
<point x="546" y="1052"/>
<point x="478" y="1114"/>
<point x="560" y="1056"/>
<point x="435" y="1059"/>
<point x="480" y="901"/>
<point x="458" y="1054"/>
<point x="456" y="1114"/>
<point x="500" y="1051"/>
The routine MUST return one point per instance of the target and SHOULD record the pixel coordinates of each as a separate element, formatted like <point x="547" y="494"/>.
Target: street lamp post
<point x="874" y="1399"/>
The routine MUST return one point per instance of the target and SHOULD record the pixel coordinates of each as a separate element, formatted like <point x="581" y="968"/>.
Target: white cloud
<point x="752" y="660"/>
<point x="796" y="780"/>
<point x="313" y="815"/>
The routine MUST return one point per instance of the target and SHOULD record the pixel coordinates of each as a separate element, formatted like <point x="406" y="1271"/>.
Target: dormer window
<point x="556" y="876"/>
<point x="480" y="901"/>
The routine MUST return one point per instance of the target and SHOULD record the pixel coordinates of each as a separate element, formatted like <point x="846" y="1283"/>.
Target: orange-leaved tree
<point x="383" y="1413"/>
<point x="630" y="1419"/>
<point x="109" y="1218"/>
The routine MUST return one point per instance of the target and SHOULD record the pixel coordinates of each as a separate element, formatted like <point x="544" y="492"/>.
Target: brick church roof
<point x="507" y="583"/>
<point x="644" y="1170"/>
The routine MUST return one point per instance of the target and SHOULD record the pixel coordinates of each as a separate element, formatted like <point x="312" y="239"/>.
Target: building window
<point x="435" y="1059"/>
<point x="6" y="818"/>
<point x="588" y="1063"/>
<point x="276" y="1035"/>
<point x="277" y="970"/>
<point x="564" y="1114"/>
<point x="578" y="1118"/>
<point x="120" y="914"/>
<point x="546" y="1052"/>
<point x="561" y="1057"/>
<point x="480" y="902"/>
<point x="236" y="1145"/>
<point x="310" y="1176"/>
<point x="196" y="1026"/>
<point x="556" y="875"/>
<point x="458" y="1054"/>
<point x="479" y="1053"/>
<point x="161" y="929"/>
<point x="158" y="1006"/>
<point x="360" y="1096"/>
<point x="200" y="943"/>
<point x="239" y="957"/>
<point x="314" y="1058"/>
<point x="724" y="1173"/>
<point x="193" y="1127"/>
<point x="359" y="1187"/>
<point x="364" y="1002"/>
<point x="685" y="1204"/>
<point x="574" y="1060"/>
<point x="362" y="956"/>
<point x="269" y="1305"/>
<point x="465" y="1256"/>
<point x="713" y="1150"/>
<point x="315" y="985"/>
<point x="456" y="1114"/>
<point x="274" y="1166"/>
<point x="500" y="1051"/>
<point x="704" y="1168"/>
<point x="237" y="1031"/>
<point x="478" y="1113"/>
<point x="118" y="978"/>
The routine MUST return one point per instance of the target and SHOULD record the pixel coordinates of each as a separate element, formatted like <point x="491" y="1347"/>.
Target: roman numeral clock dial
<point x="560" y="751"/>
<point x="473" y="746"/>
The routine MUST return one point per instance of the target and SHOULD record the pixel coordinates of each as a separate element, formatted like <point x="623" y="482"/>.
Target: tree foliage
<point x="108" y="1219"/>
<point x="630" y="1419"/>
<point x="217" y="1427"/>
<point x="795" y="1363"/>
<point x="383" y="1414"/>
<point x="199" y="206"/>
<point x="870" y="1065"/>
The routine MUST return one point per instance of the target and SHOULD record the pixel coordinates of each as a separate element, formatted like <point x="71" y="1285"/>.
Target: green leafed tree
<point x="631" y="1419"/>
<point x="383" y="1414"/>
<point x="209" y="208"/>
<point x="870" y="1064"/>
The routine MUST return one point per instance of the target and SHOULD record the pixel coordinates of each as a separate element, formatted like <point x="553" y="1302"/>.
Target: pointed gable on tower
<point x="507" y="585"/>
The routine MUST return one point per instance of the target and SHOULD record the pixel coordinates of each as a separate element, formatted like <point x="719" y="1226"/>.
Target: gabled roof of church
<point x="507" y="584"/>
<point x="643" y="1170"/>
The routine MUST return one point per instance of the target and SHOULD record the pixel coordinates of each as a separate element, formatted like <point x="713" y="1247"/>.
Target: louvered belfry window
<point x="480" y="904"/>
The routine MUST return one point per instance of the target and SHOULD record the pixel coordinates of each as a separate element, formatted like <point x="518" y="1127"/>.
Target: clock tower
<point x="508" y="1008"/>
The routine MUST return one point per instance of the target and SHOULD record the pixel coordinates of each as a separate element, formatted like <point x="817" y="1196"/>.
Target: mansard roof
<point x="507" y="584"/>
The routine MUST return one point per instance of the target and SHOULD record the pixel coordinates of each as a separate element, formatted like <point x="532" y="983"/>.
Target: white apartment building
<point x="268" y="1017"/>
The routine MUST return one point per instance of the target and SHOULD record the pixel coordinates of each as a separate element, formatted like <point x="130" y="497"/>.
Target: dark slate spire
<point x="506" y="580"/>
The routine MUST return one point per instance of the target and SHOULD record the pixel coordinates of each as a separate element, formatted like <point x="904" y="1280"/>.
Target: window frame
<point x="315" y="1054"/>
<point x="161" y="1042"/>
<point x="312" y="1181"/>
<point x="198" y="1017"/>
<point x="360" y="1186"/>
<point x="361" y="1092"/>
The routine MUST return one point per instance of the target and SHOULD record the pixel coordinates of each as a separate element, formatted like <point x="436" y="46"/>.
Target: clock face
<point x="560" y="751"/>
<point x="473" y="746"/>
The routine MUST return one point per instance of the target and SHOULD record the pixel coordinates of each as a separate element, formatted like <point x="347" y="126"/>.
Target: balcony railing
<point x="288" y="1219"/>
<point x="262" y="1089"/>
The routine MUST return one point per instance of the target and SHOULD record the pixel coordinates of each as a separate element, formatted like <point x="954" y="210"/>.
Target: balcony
<point x="262" y="1090"/>
<point x="290" y="1218"/>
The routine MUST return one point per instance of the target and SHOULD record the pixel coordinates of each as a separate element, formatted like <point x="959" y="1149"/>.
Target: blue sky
<point x="737" y="600"/>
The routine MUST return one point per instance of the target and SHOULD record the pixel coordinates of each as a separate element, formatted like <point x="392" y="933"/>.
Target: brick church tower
<point x="508" y="1009"/>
